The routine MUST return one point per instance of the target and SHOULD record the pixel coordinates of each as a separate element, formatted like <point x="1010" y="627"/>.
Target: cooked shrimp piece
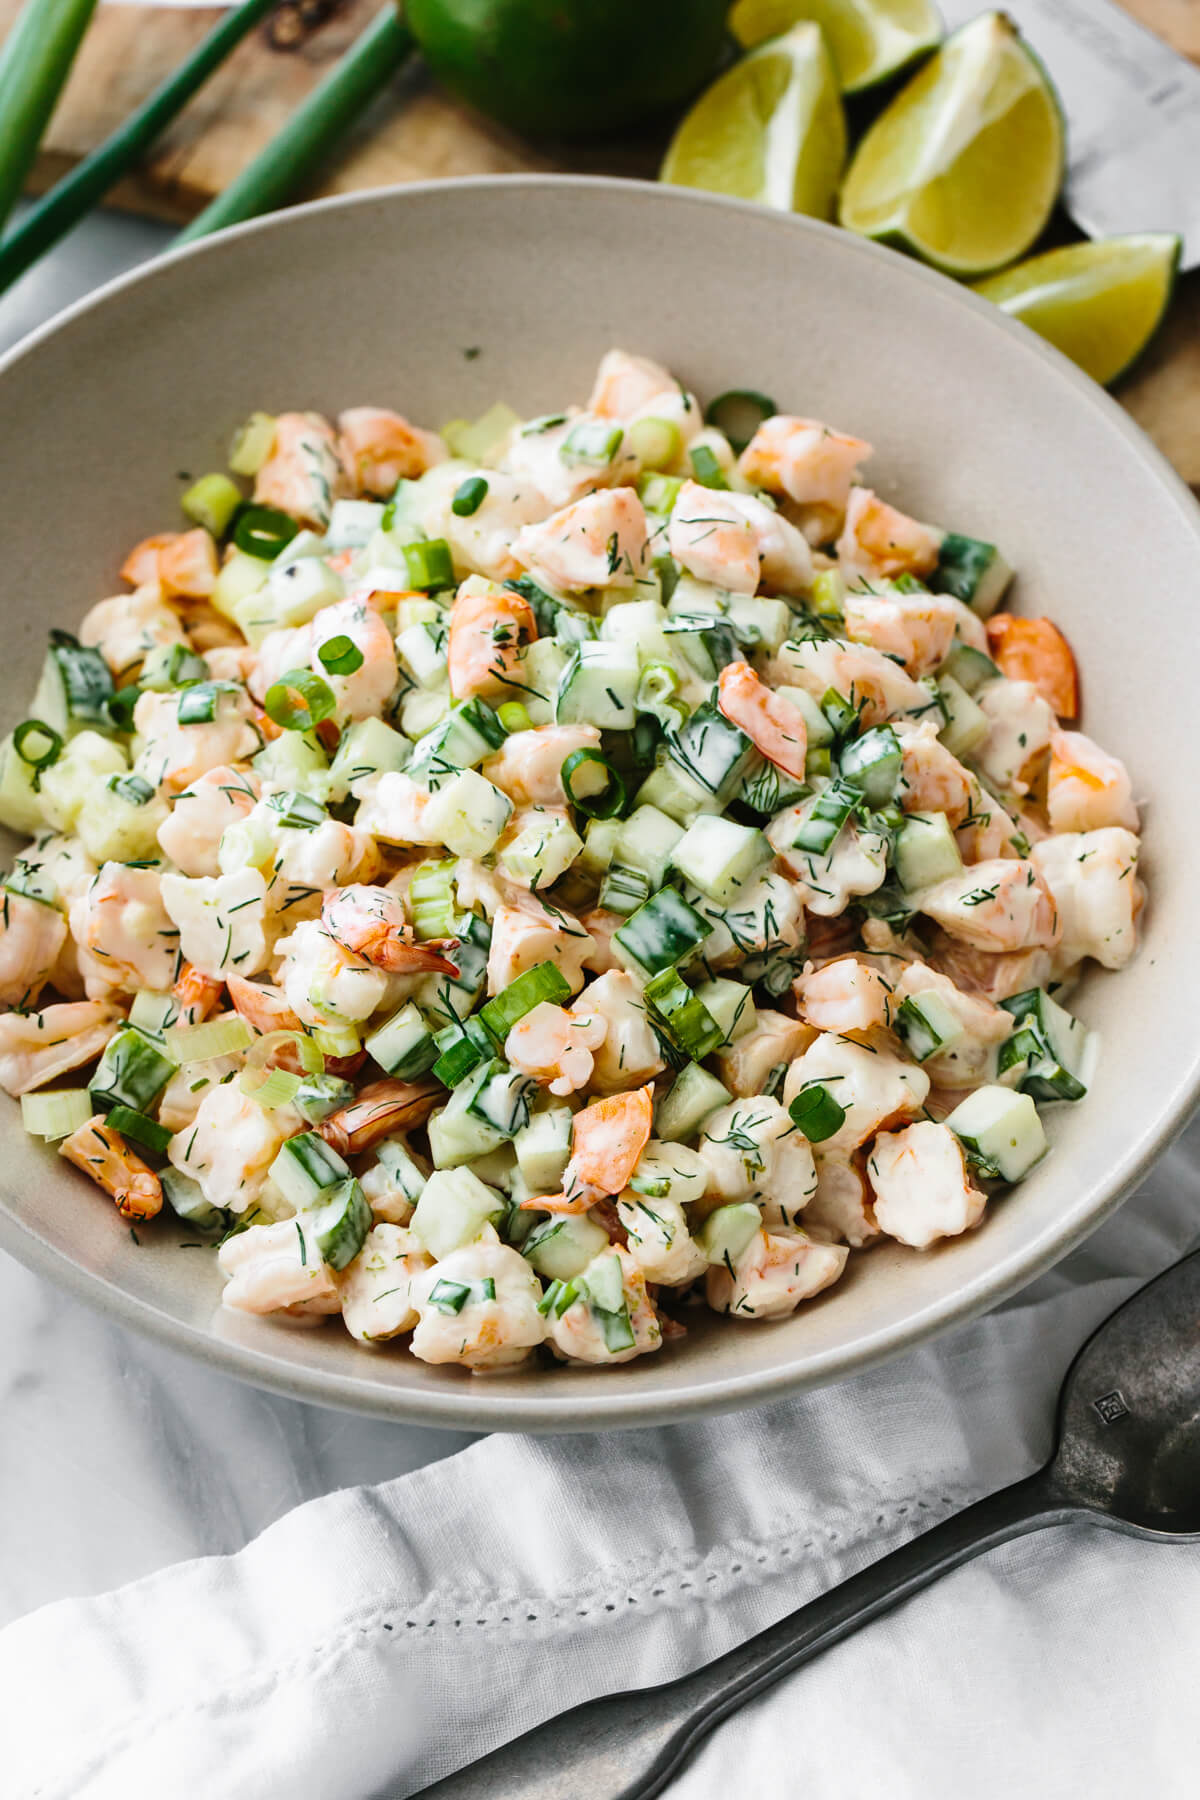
<point x="290" y="648"/>
<point x="191" y="832"/>
<point x="872" y="1087"/>
<point x="993" y="975"/>
<point x="499" y="1322"/>
<point x="222" y="922"/>
<point x="1020" y="726"/>
<point x="1093" y="878"/>
<point x="999" y="905"/>
<point x="969" y="1058"/>
<point x="658" y="1239"/>
<point x="918" y="628"/>
<point x="625" y="384"/>
<point x="607" y="1138"/>
<point x="879" y="540"/>
<point x="598" y="541"/>
<point x="630" y="1051"/>
<point x="380" y="449"/>
<point x="555" y="1046"/>
<point x="579" y="1335"/>
<point x="32" y="934"/>
<point x="752" y="1151"/>
<point x="37" y="1047"/>
<point x="128" y="626"/>
<point x="987" y="829"/>
<point x="931" y="779"/>
<point x="1035" y="650"/>
<point x="364" y="693"/>
<point x="263" y="1007"/>
<point x="488" y="626"/>
<point x="747" y="1063"/>
<point x="104" y="1155"/>
<point x="776" y="729"/>
<point x="921" y="1186"/>
<point x="778" y="1269"/>
<point x="140" y="568"/>
<point x="1086" y="789"/>
<point x="327" y="985"/>
<point x="879" y="687"/>
<point x="380" y="1109"/>
<point x="376" y="1288"/>
<point x="230" y="1145"/>
<point x="841" y="1206"/>
<point x="125" y="936"/>
<point x="540" y="460"/>
<point x="304" y="474"/>
<point x="188" y="567"/>
<point x="271" y="1268"/>
<point x="600" y="924"/>
<point x="392" y="806"/>
<point x="174" y="755"/>
<point x="528" y="765"/>
<point x="736" y="541"/>
<point x="525" y="933"/>
<point x="844" y="995"/>
<point x="805" y="460"/>
<point x="826" y="882"/>
<point x="195" y="994"/>
<point x="370" y="922"/>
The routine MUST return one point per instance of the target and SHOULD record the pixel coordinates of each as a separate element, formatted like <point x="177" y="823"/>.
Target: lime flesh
<point x="965" y="164"/>
<point x="771" y="129"/>
<point x="869" y="40"/>
<point x="1100" y="304"/>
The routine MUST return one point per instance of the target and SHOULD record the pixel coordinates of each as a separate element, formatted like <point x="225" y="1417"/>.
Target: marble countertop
<point x="120" y="1456"/>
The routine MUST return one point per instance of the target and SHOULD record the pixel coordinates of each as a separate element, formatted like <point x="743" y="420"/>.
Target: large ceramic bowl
<point x="441" y="299"/>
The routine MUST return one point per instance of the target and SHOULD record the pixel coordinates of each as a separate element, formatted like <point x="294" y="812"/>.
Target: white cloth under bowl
<point x="374" y="1639"/>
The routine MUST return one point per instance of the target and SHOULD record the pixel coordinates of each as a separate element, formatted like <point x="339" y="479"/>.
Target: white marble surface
<point x="119" y="1456"/>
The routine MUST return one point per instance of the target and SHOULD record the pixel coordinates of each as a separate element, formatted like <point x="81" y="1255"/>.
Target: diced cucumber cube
<point x="874" y="762"/>
<point x="728" y="1231"/>
<point x="669" y="789"/>
<point x="368" y="747"/>
<point x="298" y="590"/>
<point x="662" y="933"/>
<point x="339" y="1224"/>
<point x="731" y="1005"/>
<point x="712" y="751"/>
<point x="20" y="802"/>
<point x="306" y="1168"/>
<point x="241" y="576"/>
<point x="599" y="843"/>
<point x="75" y="687"/>
<point x="927" y="1024"/>
<point x="719" y="856"/>
<point x="598" y="686"/>
<point x="353" y="523"/>
<point x="925" y="851"/>
<point x="693" y="1096"/>
<point x="542" y="665"/>
<point x="645" y="841"/>
<point x="501" y="1098"/>
<point x="468" y="734"/>
<point x="605" y="1284"/>
<point x="399" y="1170"/>
<point x="967" y="724"/>
<point x="468" y="814"/>
<point x="1001" y="1130"/>
<point x="453" y="1209"/>
<point x="543" y="1148"/>
<point x="186" y="1199"/>
<point x="1048" y="1047"/>
<point x="969" y="667"/>
<point x="971" y="570"/>
<point x="403" y="1046"/>
<point x="542" y="852"/>
<point x="294" y="763"/>
<point x="422" y="651"/>
<point x="562" y="1246"/>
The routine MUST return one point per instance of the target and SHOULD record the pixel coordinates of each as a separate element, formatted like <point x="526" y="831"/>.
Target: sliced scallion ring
<point x="299" y="700"/>
<point x="605" y="805"/>
<point x="340" y="655"/>
<point x="738" y="413"/>
<point x="705" y="467"/>
<point x="136" y="1128"/>
<point x="816" y="1112"/>
<point x="469" y="496"/>
<point x="312" y="1059"/>
<point x="270" y="1088"/>
<point x="514" y="717"/>
<point x="263" y="531"/>
<point x="35" y="758"/>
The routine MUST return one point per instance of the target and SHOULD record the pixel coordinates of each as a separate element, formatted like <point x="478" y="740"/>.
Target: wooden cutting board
<point x="415" y="132"/>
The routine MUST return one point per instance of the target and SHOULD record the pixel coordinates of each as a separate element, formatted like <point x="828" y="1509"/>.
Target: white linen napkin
<point x="373" y="1640"/>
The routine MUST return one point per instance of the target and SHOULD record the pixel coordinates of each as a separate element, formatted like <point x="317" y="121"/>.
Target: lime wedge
<point x="1100" y="304"/>
<point x="965" y="164"/>
<point x="770" y="129"/>
<point x="869" y="40"/>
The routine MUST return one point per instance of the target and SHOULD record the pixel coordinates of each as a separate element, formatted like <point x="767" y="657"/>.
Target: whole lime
<point x="570" y="68"/>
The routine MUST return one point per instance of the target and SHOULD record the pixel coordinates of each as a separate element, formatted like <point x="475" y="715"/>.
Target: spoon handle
<point x="629" y="1746"/>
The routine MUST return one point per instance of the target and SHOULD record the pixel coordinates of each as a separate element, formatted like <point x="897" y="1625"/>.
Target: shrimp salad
<point x="510" y="886"/>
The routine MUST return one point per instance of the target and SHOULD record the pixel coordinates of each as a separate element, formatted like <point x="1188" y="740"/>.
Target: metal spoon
<point x="1128" y="1458"/>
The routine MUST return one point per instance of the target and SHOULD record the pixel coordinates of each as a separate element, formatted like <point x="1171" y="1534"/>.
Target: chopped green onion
<point x="841" y="713"/>
<point x="53" y="1116"/>
<point x="429" y="564"/>
<point x="469" y="496"/>
<point x="685" y="1018"/>
<point x="34" y="65"/>
<point x="656" y="443"/>
<point x="134" y="788"/>
<point x="462" y="1047"/>
<point x="514" y="717"/>
<point x="152" y="1012"/>
<point x="557" y="1297"/>
<point x="658" y="494"/>
<point x="37" y="760"/>
<point x="197" y="703"/>
<point x="874" y="763"/>
<point x="212" y="502"/>
<point x="605" y="805"/>
<point x="738" y="413"/>
<point x="658" y="695"/>
<point x="252" y="443"/>
<point x="452" y="1296"/>
<point x="119" y="707"/>
<point x="827" y="598"/>
<point x="821" y="828"/>
<point x="270" y="1088"/>
<point x="299" y="700"/>
<point x="816" y="1112"/>
<point x="545" y="981"/>
<point x="263" y="531"/>
<point x="340" y="655"/>
<point x="340" y="1040"/>
<point x="136" y="1128"/>
<point x="592" y="442"/>
<point x="261" y="1051"/>
<point x="431" y="900"/>
<point x="705" y="467"/>
<point x="214" y="1037"/>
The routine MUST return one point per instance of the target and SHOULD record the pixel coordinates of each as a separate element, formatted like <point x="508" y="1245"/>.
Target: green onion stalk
<point x="34" y="65"/>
